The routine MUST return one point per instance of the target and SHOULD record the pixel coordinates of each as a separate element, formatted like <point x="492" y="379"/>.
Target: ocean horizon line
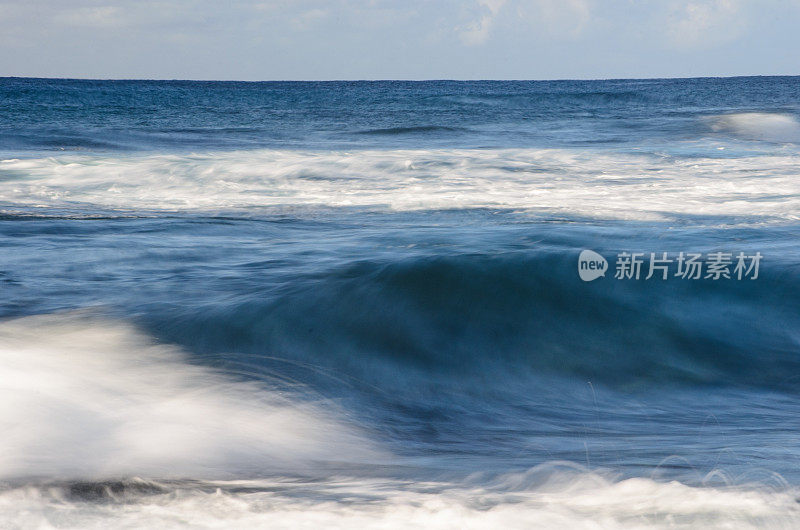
<point x="401" y="80"/>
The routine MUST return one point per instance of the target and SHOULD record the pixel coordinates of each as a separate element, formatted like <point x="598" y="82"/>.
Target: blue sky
<point x="396" y="39"/>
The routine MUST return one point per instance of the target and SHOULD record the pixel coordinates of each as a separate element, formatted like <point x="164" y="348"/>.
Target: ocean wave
<point x="104" y="425"/>
<point x="534" y="99"/>
<point x="60" y="141"/>
<point x="572" y="183"/>
<point x="548" y="496"/>
<point x="89" y="398"/>
<point x="421" y="129"/>
<point x="484" y="322"/>
<point x="766" y="126"/>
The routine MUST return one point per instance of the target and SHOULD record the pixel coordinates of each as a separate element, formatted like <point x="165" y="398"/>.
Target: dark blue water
<point x="401" y="256"/>
<point x="41" y="115"/>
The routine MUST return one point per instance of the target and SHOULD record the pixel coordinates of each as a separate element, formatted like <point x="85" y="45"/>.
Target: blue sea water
<point x="355" y="304"/>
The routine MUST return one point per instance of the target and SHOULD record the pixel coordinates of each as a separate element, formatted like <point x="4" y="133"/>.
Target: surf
<point x="768" y="126"/>
<point x="571" y="183"/>
<point x="87" y="397"/>
<point x="557" y="495"/>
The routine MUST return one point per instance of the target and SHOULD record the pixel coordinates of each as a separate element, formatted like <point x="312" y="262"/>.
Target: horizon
<point x="431" y="80"/>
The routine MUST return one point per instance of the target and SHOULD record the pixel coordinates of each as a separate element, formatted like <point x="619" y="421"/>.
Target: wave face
<point x="272" y="305"/>
<point x="484" y="321"/>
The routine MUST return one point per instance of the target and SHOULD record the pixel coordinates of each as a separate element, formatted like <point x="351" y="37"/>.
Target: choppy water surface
<point x="358" y="304"/>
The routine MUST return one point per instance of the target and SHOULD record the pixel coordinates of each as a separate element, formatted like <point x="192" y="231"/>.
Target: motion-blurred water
<point x="357" y="304"/>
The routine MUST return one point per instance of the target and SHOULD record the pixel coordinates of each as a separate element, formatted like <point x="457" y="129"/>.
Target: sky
<point x="398" y="39"/>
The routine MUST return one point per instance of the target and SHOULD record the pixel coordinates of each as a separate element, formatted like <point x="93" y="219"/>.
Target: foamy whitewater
<point x="357" y="305"/>
<point x="597" y="184"/>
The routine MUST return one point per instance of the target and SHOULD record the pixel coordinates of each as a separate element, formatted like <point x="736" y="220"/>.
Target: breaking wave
<point x="549" y="496"/>
<point x="766" y="126"/>
<point x="579" y="184"/>
<point x="90" y="398"/>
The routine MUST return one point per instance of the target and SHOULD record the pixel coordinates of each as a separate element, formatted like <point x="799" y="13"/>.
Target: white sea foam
<point x="565" y="500"/>
<point x="93" y="399"/>
<point x="772" y="127"/>
<point x="88" y="398"/>
<point x="561" y="182"/>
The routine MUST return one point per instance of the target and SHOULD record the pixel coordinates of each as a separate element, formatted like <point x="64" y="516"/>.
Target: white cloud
<point x="562" y="18"/>
<point x="478" y="31"/>
<point x="307" y="19"/>
<point x="702" y="24"/>
<point x="95" y="17"/>
<point x="557" y="18"/>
